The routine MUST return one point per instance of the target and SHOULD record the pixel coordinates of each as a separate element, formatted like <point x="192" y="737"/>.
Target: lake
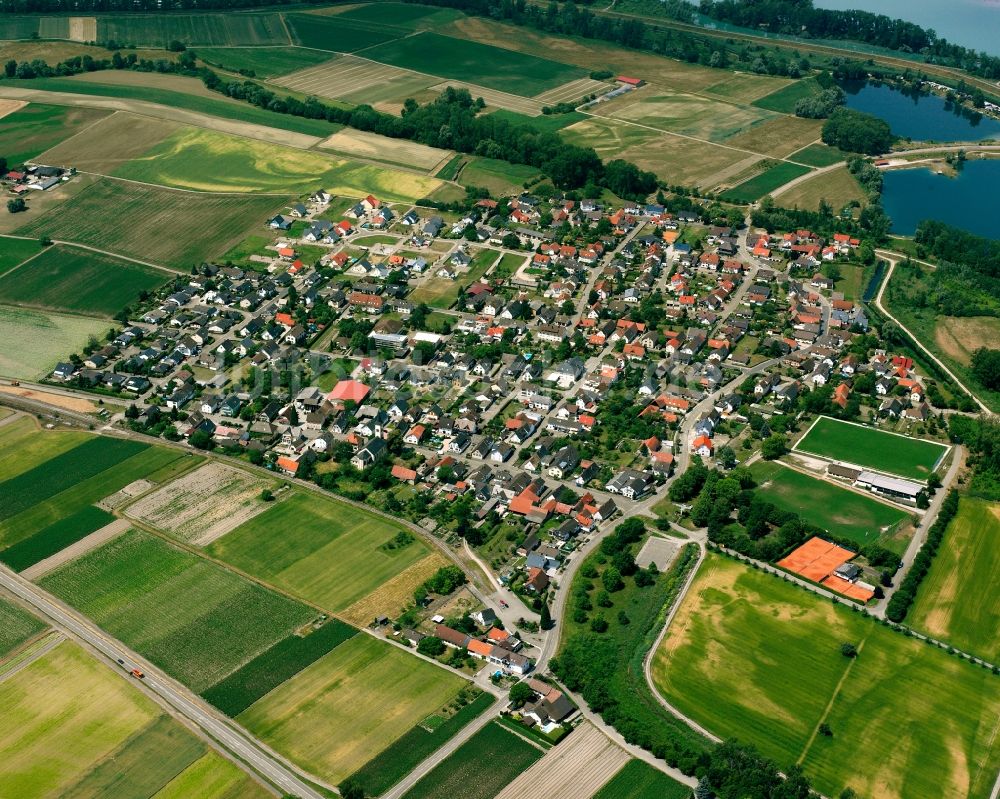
<point x="970" y="23"/>
<point x="966" y="201"/>
<point x="922" y="117"/>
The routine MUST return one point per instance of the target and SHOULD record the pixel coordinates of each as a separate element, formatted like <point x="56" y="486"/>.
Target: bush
<point x="431" y="646"/>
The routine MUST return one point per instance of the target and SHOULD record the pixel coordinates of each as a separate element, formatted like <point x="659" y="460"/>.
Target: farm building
<point x="890" y="486"/>
<point x="353" y="390"/>
<point x="636" y="82"/>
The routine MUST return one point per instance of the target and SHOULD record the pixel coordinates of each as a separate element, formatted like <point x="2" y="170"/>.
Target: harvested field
<point x="495" y="98"/>
<point x="959" y="336"/>
<point x="777" y="138"/>
<point x="576" y="769"/>
<point x="192" y="618"/>
<point x="343" y="76"/>
<point x="153" y="223"/>
<point x="573" y="91"/>
<point x="77" y="404"/>
<point x="33" y="342"/>
<point x="742" y="87"/>
<point x="362" y="679"/>
<point x="112" y="142"/>
<point x="360" y="144"/>
<point x="396" y="594"/>
<point x="82" y="29"/>
<point x="64" y="278"/>
<point x="838" y="187"/>
<point x="203" y="505"/>
<point x="327" y="552"/>
<point x="10" y="106"/>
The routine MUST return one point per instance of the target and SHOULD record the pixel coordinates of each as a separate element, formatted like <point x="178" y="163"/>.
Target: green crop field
<point x="329" y="553"/>
<point x="174" y="228"/>
<point x="203" y="160"/>
<point x="35" y="128"/>
<point x="420" y="742"/>
<point x="16" y="626"/>
<point x="43" y="339"/>
<point x="269" y="669"/>
<point x="55" y="538"/>
<point x="842" y="512"/>
<point x="500" y="177"/>
<point x="480" y="768"/>
<point x="837" y="188"/>
<point x="72" y="728"/>
<point x="25" y="446"/>
<point x="472" y="62"/>
<point x="264" y="62"/>
<point x="16" y="251"/>
<point x="819" y="155"/>
<point x="370" y="692"/>
<point x="638" y="780"/>
<point x="751" y="656"/>
<point x="785" y="98"/>
<point x="337" y="34"/>
<point x="212" y="777"/>
<point x="959" y="600"/>
<point x="157" y="30"/>
<point x="69" y="279"/>
<point x="194" y="619"/>
<point x="400" y="15"/>
<point x="874" y="449"/>
<point x="546" y="123"/>
<point x="766" y="182"/>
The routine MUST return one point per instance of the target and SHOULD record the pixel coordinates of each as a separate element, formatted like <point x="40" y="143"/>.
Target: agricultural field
<point x="44" y="338"/>
<point x="546" y="123"/>
<point x="338" y="34"/>
<point x="638" y="780"/>
<point x="959" y="600"/>
<point x="742" y="87"/>
<point x="766" y="182"/>
<point x="263" y="62"/>
<point x="16" y="626"/>
<point x="837" y="187"/>
<point x="16" y="251"/>
<point x="751" y="656"/>
<point x="194" y="619"/>
<point x="482" y="64"/>
<point x="25" y="445"/>
<point x="158" y="30"/>
<point x="71" y="727"/>
<point x="113" y="141"/>
<point x="840" y="511"/>
<point x="398" y="15"/>
<point x="35" y="128"/>
<point x="371" y="146"/>
<point x="819" y="155"/>
<point x="80" y="281"/>
<point x="686" y="114"/>
<point x="672" y="158"/>
<point x="500" y="177"/>
<point x="777" y="137"/>
<point x="575" y="769"/>
<point x="322" y="550"/>
<point x="959" y="336"/>
<point x="203" y="505"/>
<point x="913" y="458"/>
<point x="464" y="772"/>
<point x="206" y="161"/>
<point x="56" y="537"/>
<point x="154" y="224"/>
<point x="785" y="98"/>
<point x="369" y="691"/>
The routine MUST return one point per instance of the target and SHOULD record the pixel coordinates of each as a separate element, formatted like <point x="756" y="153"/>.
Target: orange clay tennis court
<point x="816" y="559"/>
<point x="850" y="590"/>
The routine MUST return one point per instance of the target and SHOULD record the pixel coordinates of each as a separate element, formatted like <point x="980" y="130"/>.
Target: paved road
<point x="180" y="699"/>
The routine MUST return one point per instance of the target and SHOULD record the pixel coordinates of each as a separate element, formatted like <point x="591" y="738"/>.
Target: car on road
<point x="138" y="674"/>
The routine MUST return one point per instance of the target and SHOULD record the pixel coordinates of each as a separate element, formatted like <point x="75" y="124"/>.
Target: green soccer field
<point x="913" y="458"/>
<point x="753" y="657"/>
<point x="324" y="551"/>
<point x="959" y="600"/>
<point x="844" y="513"/>
<point x="194" y="619"/>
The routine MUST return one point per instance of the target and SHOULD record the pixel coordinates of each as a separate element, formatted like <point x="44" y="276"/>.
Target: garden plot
<point x="204" y="505"/>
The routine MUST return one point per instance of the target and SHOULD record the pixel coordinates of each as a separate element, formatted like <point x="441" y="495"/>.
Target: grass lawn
<point x="959" y="600"/>
<point x="853" y="280"/>
<point x="473" y="62"/>
<point x="73" y="728"/>
<point x="914" y="458"/>
<point x="368" y="691"/>
<point x="638" y="780"/>
<point x="25" y="446"/>
<point x="465" y="773"/>
<point x="35" y="128"/>
<point x="819" y="155"/>
<point x="785" y="98"/>
<point x="16" y="626"/>
<point x="437" y="292"/>
<point x="841" y="512"/>
<point x="764" y="183"/>
<point x="192" y="618"/>
<point x="155" y="224"/>
<point x="16" y="251"/>
<point x="324" y="551"/>
<point x="837" y="187"/>
<point x="264" y="62"/>
<point x="751" y="656"/>
<point x="500" y="177"/>
<point x="43" y="339"/>
<point x="67" y="279"/>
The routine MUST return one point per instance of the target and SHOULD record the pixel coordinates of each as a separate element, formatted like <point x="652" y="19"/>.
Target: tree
<point x="267" y="495"/>
<point x="612" y="579"/>
<point x="703" y="790"/>
<point x="520" y="693"/>
<point x="774" y="447"/>
<point x="848" y="650"/>
<point x="17" y="205"/>
<point x="200" y="439"/>
<point x="545" y="618"/>
<point x="726" y="457"/>
<point x="986" y="367"/>
<point x="824" y="730"/>
<point x="857" y="132"/>
<point x="430" y="646"/>
<point x="349" y="789"/>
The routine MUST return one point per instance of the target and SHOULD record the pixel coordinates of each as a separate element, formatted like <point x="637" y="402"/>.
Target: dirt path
<point x="84" y="545"/>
